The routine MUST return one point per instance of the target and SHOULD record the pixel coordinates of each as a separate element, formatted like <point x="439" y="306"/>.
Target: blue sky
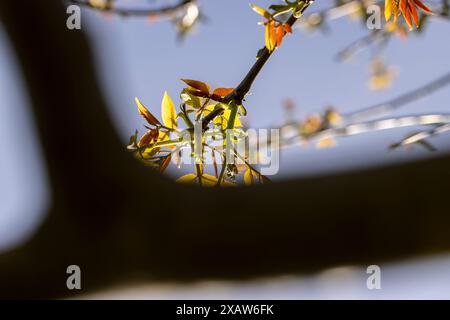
<point x="136" y="58"/>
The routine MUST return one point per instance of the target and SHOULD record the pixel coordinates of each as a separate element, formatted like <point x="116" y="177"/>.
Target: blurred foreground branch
<point x="120" y="222"/>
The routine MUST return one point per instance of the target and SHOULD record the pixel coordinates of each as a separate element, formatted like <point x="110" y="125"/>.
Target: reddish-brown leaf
<point x="222" y="92"/>
<point x="422" y="6"/>
<point x="197" y="93"/>
<point x="165" y="163"/>
<point x="279" y="34"/>
<point x="287" y="28"/>
<point x="148" y="137"/>
<point x="143" y="111"/>
<point x="403" y="7"/>
<point x="408" y="17"/>
<point x="200" y="86"/>
<point x="414" y="13"/>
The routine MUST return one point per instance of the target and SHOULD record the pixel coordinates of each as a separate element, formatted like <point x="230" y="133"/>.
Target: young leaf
<point x="165" y="163"/>
<point x="132" y="143"/>
<point x="271" y="40"/>
<point x="326" y="143"/>
<point x="190" y="99"/>
<point x="208" y="180"/>
<point x="248" y="177"/>
<point x="279" y="34"/>
<point x="143" y="111"/>
<point x="261" y="11"/>
<point x="148" y="137"/>
<point x="222" y="92"/>
<point x="188" y="178"/>
<point x="198" y="85"/>
<point x="169" y="115"/>
<point x="287" y="28"/>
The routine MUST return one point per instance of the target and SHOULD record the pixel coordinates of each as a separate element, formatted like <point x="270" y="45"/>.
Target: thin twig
<point x="383" y="124"/>
<point x="389" y="106"/>
<point x="423" y="135"/>
<point x="167" y="10"/>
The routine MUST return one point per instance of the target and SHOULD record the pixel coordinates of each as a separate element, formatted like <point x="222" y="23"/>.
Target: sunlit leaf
<point x="270" y="36"/>
<point x="148" y="137"/>
<point x="143" y="111"/>
<point x="169" y="115"/>
<point x="248" y="177"/>
<point x="326" y="143"/>
<point x="311" y="125"/>
<point x="333" y="117"/>
<point x="279" y="34"/>
<point x="198" y="85"/>
<point x="261" y="11"/>
<point x="190" y="99"/>
<point x="209" y="180"/>
<point x="100" y="4"/>
<point x="163" y="135"/>
<point x="389" y="5"/>
<point x="409" y="9"/>
<point x="188" y="178"/>
<point x="223" y="120"/>
<point x="222" y="92"/>
<point x="165" y="163"/>
<point x="287" y="28"/>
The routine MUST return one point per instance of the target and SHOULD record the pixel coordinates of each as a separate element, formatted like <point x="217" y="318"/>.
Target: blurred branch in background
<point x="184" y="14"/>
<point x="330" y="124"/>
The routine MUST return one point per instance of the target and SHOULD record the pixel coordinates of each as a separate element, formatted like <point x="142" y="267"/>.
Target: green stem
<point x="233" y="113"/>
<point x="199" y="173"/>
<point x="186" y="119"/>
<point x="168" y="143"/>
<point x="222" y="171"/>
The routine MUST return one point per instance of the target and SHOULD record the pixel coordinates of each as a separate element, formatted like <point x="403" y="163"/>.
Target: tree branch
<point x="167" y="10"/>
<point x="238" y="95"/>
<point x="244" y="86"/>
<point x="389" y="106"/>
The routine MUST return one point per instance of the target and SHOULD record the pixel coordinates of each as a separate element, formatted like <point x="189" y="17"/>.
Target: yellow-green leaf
<point x="188" y="178"/>
<point x="209" y="180"/>
<point x="169" y="115"/>
<point x="223" y="120"/>
<point x="261" y="11"/>
<point x="248" y="177"/>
